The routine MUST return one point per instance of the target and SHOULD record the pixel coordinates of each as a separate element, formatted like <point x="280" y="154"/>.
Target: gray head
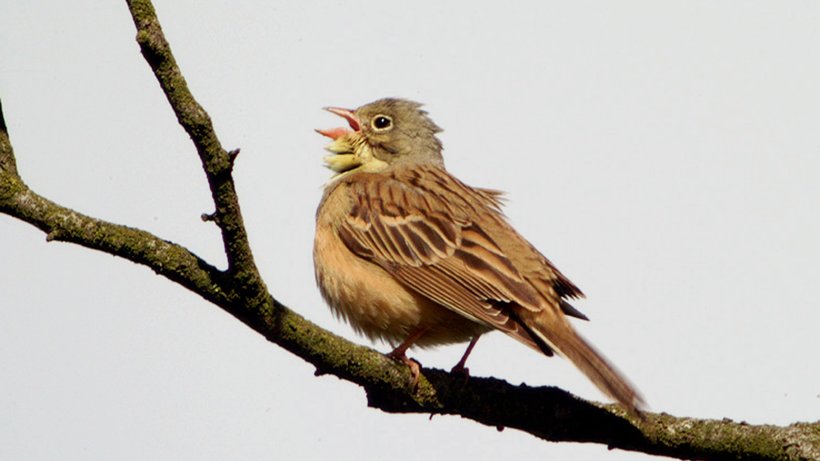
<point x="384" y="133"/>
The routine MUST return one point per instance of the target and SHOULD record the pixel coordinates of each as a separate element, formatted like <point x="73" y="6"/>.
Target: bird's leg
<point x="398" y="354"/>
<point x="460" y="368"/>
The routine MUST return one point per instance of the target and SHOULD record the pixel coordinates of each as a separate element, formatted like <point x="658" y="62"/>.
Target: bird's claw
<point x="413" y="365"/>
<point x="460" y="369"/>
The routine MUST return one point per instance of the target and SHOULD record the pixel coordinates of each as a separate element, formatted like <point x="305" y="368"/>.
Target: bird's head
<point x="382" y="134"/>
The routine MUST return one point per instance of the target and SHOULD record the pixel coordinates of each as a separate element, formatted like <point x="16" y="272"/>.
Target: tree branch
<point x="546" y="412"/>
<point x="216" y="161"/>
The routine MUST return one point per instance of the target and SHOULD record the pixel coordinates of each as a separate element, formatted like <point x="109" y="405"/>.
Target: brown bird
<point x="407" y="253"/>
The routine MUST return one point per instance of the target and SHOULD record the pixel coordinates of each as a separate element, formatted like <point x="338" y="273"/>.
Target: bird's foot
<point x="399" y="354"/>
<point x="460" y="369"/>
<point x="413" y="365"/>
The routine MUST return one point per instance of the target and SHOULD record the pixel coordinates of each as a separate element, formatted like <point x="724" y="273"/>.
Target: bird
<point x="407" y="253"/>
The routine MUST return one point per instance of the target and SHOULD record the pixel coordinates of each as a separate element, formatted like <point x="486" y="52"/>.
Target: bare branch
<point x="8" y="165"/>
<point x="216" y="161"/>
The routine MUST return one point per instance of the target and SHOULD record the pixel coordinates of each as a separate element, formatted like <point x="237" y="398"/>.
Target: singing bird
<point x="407" y="253"/>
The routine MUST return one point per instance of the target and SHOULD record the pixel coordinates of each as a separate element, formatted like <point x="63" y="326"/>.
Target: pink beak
<point x="335" y="133"/>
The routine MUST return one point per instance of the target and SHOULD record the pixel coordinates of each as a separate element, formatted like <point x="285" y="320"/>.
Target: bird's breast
<point x="368" y="297"/>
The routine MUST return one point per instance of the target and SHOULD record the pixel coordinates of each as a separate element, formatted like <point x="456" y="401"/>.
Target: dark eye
<point x="382" y="122"/>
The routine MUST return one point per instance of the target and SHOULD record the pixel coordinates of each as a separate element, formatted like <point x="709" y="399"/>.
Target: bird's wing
<point x="431" y="232"/>
<point x="532" y="264"/>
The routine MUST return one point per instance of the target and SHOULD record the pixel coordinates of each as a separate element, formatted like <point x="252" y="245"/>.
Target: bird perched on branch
<point x="409" y="254"/>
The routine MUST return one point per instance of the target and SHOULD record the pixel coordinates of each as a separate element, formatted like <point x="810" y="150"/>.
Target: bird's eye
<point x="382" y="123"/>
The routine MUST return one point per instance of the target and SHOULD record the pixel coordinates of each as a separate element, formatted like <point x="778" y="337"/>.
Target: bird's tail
<point x="563" y="339"/>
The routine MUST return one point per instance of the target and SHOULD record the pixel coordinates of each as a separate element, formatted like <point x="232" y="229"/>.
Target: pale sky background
<point x="665" y="155"/>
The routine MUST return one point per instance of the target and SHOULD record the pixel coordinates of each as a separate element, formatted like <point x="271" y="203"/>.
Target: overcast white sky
<point x="665" y="155"/>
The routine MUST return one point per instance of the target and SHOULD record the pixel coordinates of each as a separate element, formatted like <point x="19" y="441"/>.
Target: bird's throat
<point x="341" y="163"/>
<point x="350" y="153"/>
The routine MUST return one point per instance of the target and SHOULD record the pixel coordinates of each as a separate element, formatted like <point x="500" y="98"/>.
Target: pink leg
<point x="399" y="354"/>
<point x="460" y="368"/>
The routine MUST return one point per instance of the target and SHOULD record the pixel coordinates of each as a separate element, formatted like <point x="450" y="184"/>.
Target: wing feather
<point x="427" y="233"/>
<point x="436" y="235"/>
<point x="435" y="287"/>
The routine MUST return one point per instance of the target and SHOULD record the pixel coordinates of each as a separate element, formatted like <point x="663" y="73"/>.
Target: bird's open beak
<point x="343" y="156"/>
<point x="336" y="133"/>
